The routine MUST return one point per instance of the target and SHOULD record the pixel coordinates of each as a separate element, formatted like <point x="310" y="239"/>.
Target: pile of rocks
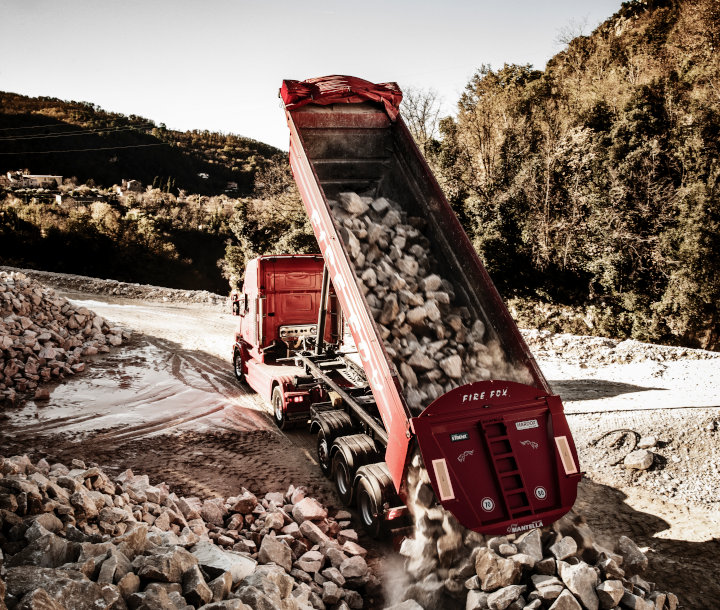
<point x="559" y="567"/>
<point x="81" y="283"/>
<point x="43" y="336"/>
<point x="75" y="538"/>
<point x="604" y="350"/>
<point x="434" y="340"/>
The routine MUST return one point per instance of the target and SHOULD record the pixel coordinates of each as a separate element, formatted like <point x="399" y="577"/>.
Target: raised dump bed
<point x="469" y="394"/>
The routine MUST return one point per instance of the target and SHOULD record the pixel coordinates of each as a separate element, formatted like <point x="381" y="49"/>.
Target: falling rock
<point x="380" y="205"/>
<point x="431" y="283"/>
<point x="502" y="598"/>
<point x="494" y="571"/>
<point x="566" y="601"/>
<point x="421" y="362"/>
<point x="634" y="560"/>
<point x="354" y="567"/>
<point x="581" y="579"/>
<point x="530" y="544"/>
<point x="641" y="459"/>
<point x="564" y="548"/>
<point x="452" y="366"/>
<point x="275" y="551"/>
<point x="610" y="593"/>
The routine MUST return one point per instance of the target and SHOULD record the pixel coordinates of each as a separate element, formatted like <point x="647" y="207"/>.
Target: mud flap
<point x="500" y="456"/>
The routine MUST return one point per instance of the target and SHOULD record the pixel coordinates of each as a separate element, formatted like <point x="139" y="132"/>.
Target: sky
<point x="218" y="64"/>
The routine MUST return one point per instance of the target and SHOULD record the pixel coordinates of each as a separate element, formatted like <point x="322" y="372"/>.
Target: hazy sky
<point x="218" y="64"/>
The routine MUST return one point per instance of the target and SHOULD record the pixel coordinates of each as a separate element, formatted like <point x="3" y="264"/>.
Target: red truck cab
<point x="279" y="306"/>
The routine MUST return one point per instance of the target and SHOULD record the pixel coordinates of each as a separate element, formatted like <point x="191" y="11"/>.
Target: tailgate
<point x="500" y="456"/>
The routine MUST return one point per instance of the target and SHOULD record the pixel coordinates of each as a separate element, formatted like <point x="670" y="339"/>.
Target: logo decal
<point x="465" y="454"/>
<point x="515" y="528"/>
<point x="459" y="436"/>
<point x="527" y="424"/>
<point x="532" y="444"/>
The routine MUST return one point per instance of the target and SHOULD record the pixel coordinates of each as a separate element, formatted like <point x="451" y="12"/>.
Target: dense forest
<point x="594" y="183"/>
<point x="590" y="189"/>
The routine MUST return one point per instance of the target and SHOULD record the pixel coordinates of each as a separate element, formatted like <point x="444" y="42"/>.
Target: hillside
<point x="106" y="147"/>
<point x="594" y="184"/>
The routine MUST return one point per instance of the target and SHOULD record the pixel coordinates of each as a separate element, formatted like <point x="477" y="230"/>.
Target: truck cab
<point x="278" y="311"/>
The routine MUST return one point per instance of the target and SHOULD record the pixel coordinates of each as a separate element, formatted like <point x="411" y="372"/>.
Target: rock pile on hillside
<point x="43" y="336"/>
<point x="559" y="567"/>
<point x="81" y="283"/>
<point x="434" y="341"/>
<point x="76" y="539"/>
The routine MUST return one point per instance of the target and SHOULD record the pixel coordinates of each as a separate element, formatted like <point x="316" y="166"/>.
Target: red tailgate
<point x="500" y="456"/>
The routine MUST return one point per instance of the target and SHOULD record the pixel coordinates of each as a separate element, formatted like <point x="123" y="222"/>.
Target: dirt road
<point x="167" y="405"/>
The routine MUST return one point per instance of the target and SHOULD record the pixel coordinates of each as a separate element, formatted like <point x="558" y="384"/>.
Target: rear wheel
<point x="323" y="453"/>
<point x="238" y="366"/>
<point x="279" y="414"/>
<point x="368" y="504"/>
<point x="342" y="477"/>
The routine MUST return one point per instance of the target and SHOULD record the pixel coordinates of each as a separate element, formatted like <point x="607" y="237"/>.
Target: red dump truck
<point x="499" y="453"/>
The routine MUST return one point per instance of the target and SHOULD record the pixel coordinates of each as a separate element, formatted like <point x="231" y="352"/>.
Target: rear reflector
<point x="442" y="476"/>
<point x="565" y="454"/>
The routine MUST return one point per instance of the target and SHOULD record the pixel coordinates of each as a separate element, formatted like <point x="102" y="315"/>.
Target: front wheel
<point x="238" y="366"/>
<point x="278" y="405"/>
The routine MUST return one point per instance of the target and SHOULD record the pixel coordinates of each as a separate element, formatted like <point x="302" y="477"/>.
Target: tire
<point x="323" y="452"/>
<point x="279" y="414"/>
<point x="367" y="505"/>
<point x="342" y="476"/>
<point x="238" y="366"/>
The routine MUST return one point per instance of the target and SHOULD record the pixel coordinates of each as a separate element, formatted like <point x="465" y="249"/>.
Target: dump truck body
<point x="499" y="453"/>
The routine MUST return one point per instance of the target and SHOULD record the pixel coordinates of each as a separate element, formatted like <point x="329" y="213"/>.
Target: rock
<point x="634" y="560"/>
<point x="215" y="561"/>
<point x="310" y="562"/>
<point x="308" y="509"/>
<point x="48" y="551"/>
<point x="353" y="203"/>
<point x="581" y="579"/>
<point x="641" y="459"/>
<point x="452" y="366"/>
<point x="530" y="544"/>
<point x="245" y="503"/>
<point x="195" y="590"/>
<point x="635" y="602"/>
<point x="408" y="604"/>
<point x="566" y="601"/>
<point x="354" y="567"/>
<point x="275" y="551"/>
<point x="547" y="588"/>
<point x="313" y="533"/>
<point x="494" y="571"/>
<point x="502" y="598"/>
<point x="476" y="600"/>
<point x="331" y="593"/>
<point x="610" y="593"/>
<point x="221" y="586"/>
<point x="167" y="566"/>
<point x="564" y="548"/>
<point x="129" y="584"/>
<point x="646" y="442"/>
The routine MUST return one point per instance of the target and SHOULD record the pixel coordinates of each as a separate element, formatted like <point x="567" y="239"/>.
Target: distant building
<point x="231" y="187"/>
<point x="129" y="186"/>
<point x="34" y="180"/>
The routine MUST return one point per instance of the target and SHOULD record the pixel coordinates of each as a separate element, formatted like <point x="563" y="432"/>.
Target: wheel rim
<point x="366" y="509"/>
<point x="341" y="478"/>
<point x="278" y="409"/>
<point x="238" y="366"/>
